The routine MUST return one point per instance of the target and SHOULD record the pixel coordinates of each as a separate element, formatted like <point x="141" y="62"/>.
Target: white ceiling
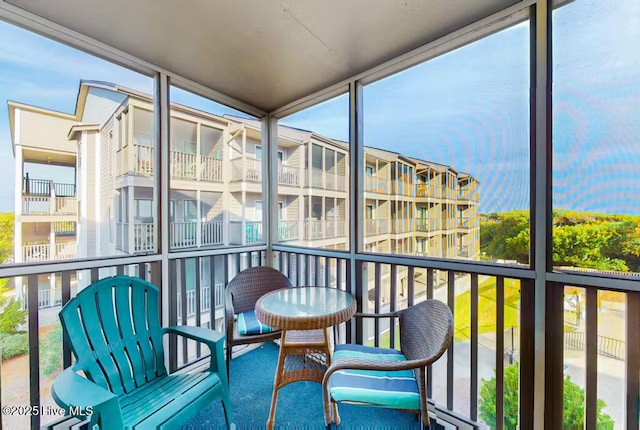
<point x="264" y="52"/>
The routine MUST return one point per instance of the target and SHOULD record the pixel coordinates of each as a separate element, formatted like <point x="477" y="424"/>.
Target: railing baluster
<point x="591" y="388"/>
<point x="66" y="296"/>
<point x="451" y="296"/>
<point x="410" y="285"/>
<point x="392" y="304"/>
<point x="429" y="297"/>
<point x="183" y="304"/>
<point x="499" y="353"/>
<point x="632" y="361"/>
<point x="198" y="300"/>
<point x="34" y="347"/>
<point x="376" y="304"/>
<point x="473" y="399"/>
<point x="527" y="354"/>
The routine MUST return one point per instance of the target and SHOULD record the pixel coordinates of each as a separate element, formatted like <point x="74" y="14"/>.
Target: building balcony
<point x="429" y="224"/>
<point x="182" y="235"/>
<point x="324" y="229"/>
<point x="374" y="227"/>
<point x="506" y="340"/>
<point x="182" y="165"/>
<point x="321" y="179"/>
<point x="376" y="184"/>
<point x="246" y="169"/>
<point x="39" y="205"/>
<point x="35" y="252"/>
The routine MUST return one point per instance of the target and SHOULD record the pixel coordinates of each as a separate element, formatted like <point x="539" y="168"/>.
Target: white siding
<point x="100" y="105"/>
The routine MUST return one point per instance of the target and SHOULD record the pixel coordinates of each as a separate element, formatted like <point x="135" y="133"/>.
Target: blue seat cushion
<point x="249" y="324"/>
<point x="388" y="389"/>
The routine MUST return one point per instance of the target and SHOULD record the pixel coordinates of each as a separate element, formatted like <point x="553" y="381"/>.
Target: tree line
<point x="580" y="239"/>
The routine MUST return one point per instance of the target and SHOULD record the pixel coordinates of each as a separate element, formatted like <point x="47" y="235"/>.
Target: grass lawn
<point x="486" y="311"/>
<point x="487" y="308"/>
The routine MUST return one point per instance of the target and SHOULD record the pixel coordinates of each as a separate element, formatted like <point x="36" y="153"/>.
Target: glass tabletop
<point x="305" y="308"/>
<point x="306" y="301"/>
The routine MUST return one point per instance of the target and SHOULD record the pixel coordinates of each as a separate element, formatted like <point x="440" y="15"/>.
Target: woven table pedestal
<point x="304" y="315"/>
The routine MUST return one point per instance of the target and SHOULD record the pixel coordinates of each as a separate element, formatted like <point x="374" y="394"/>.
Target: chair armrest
<point x="213" y="339"/>
<point x="384" y="315"/>
<point x="84" y="399"/>
<point x="362" y="364"/>
<point x="228" y="315"/>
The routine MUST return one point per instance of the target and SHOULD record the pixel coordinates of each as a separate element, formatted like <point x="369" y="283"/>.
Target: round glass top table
<point x="305" y="308"/>
<point x="304" y="315"/>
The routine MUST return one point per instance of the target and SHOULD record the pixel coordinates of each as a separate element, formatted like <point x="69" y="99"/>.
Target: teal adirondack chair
<point x="114" y="331"/>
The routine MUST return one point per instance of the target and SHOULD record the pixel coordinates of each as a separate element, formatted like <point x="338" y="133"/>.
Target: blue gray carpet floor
<point x="299" y="404"/>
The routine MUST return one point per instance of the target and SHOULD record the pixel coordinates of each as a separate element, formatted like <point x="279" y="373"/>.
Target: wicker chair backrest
<point x="426" y="329"/>
<point x="250" y="284"/>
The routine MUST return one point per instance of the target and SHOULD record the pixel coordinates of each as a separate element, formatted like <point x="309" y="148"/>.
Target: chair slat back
<point x="426" y="329"/>
<point x="114" y="332"/>
<point x="250" y="284"/>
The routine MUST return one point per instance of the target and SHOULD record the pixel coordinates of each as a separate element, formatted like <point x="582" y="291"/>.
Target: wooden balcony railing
<point x="246" y="169"/>
<point x="288" y="230"/>
<point x="324" y="229"/>
<point x="37" y="205"/>
<point x="373" y="227"/>
<point x="288" y="175"/>
<point x="210" y="169"/>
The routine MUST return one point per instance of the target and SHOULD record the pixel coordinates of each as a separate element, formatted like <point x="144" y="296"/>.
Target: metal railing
<point x="47" y="187"/>
<point x="607" y="346"/>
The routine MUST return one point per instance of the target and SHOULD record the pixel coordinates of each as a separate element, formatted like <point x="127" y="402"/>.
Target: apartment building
<point x="411" y="206"/>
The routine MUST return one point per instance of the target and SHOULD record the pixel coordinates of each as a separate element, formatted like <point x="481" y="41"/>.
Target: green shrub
<point x="573" y="411"/>
<point x="13" y="344"/>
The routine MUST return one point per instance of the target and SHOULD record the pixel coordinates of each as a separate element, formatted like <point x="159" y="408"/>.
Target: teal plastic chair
<point x="113" y="328"/>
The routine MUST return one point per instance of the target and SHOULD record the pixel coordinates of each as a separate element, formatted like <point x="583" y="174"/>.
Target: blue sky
<point x="468" y="108"/>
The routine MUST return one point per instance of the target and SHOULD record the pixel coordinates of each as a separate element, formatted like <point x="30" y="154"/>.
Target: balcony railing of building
<point x="39" y="205"/>
<point x="251" y="234"/>
<point x="47" y="187"/>
<point x="401" y="225"/>
<point x="246" y="169"/>
<point x="182" y="235"/>
<point x="468" y="193"/>
<point x="322" y="179"/>
<point x="381" y="284"/>
<point x="376" y="184"/>
<point x="183" y="165"/>
<point x="63" y="228"/>
<point x="205" y="300"/>
<point x="143" y="159"/>
<point x="324" y="229"/>
<point x="288" y="175"/>
<point x="288" y="230"/>
<point x="373" y="227"/>
<point x="430" y="224"/>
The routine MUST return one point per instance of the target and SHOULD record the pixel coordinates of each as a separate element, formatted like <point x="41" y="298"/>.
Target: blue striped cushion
<point x="249" y="324"/>
<point x="388" y="389"/>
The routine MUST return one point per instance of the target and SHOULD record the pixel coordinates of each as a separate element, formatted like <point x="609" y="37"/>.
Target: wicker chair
<point x="398" y="382"/>
<point x="241" y="295"/>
